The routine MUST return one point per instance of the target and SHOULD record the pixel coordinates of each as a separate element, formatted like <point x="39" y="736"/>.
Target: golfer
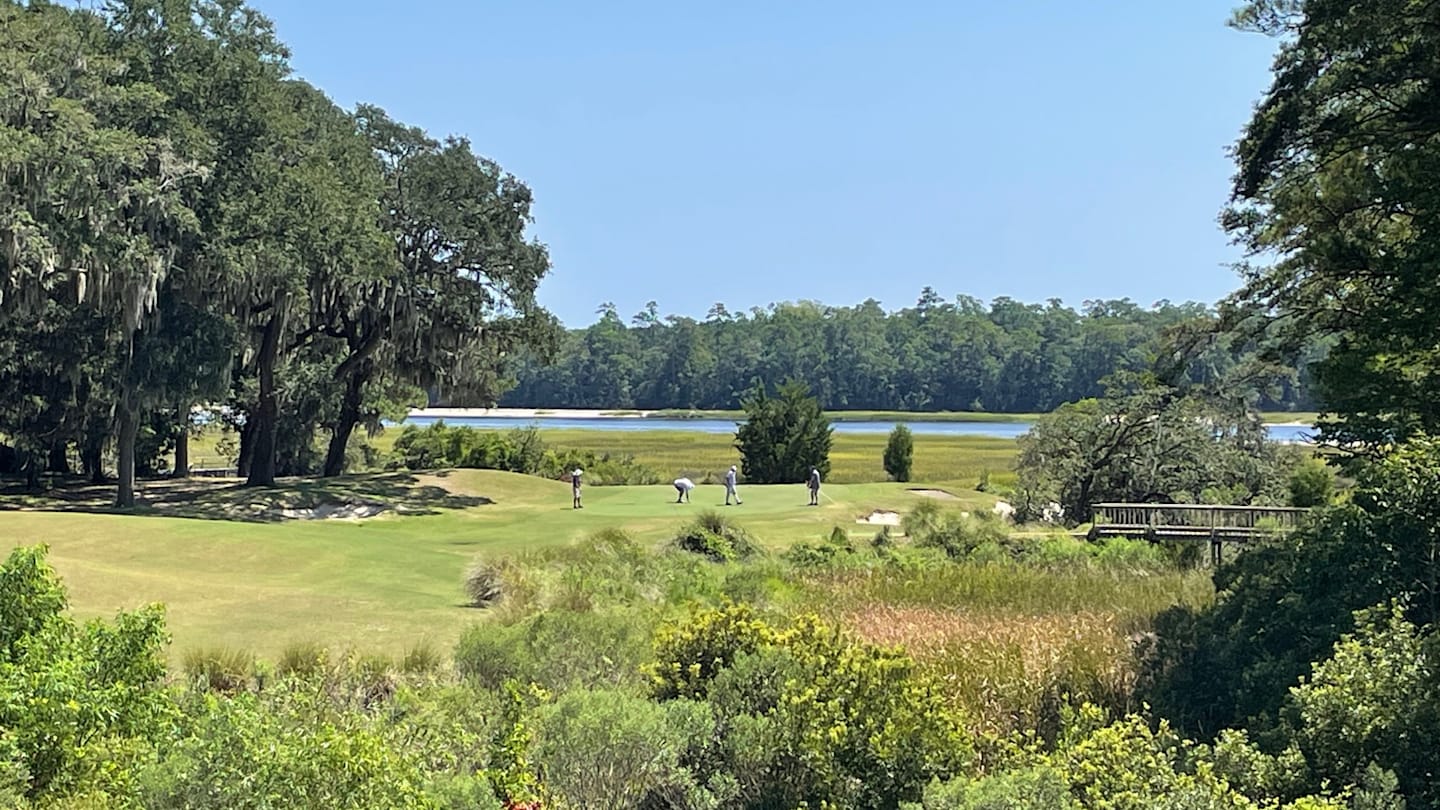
<point x="683" y="487"/>
<point x="575" y="488"/>
<point x="814" y="484"/>
<point x="730" y="488"/>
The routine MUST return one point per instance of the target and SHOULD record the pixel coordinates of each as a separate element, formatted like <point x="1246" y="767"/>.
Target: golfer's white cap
<point x="732" y="467"/>
<point x="578" y="470"/>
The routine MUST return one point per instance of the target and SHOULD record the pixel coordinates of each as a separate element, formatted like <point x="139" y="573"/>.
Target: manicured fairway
<point x="382" y="583"/>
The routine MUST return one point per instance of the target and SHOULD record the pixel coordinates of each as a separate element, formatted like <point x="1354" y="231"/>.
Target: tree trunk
<point x="247" y="448"/>
<point x="59" y="460"/>
<point x="182" y="445"/>
<point x="127" y="424"/>
<point x="267" y="412"/>
<point x="345" y="423"/>
<point x="92" y="458"/>
<point x="30" y="463"/>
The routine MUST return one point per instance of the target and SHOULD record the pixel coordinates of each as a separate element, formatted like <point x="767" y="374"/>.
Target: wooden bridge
<point x="1191" y="521"/>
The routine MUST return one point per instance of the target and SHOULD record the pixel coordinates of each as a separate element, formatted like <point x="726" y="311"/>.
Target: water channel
<point x="996" y="430"/>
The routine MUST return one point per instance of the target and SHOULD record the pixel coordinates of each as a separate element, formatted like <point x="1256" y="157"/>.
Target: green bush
<point x="520" y="450"/>
<point x="78" y="704"/>
<point x="958" y="534"/>
<point x="558" y="649"/>
<point x="1039" y="787"/>
<point x="237" y="753"/>
<point x="1375" y="700"/>
<point x="806" y="715"/>
<point x="714" y="536"/>
<point x="899" y="453"/>
<point x="1312" y="483"/>
<point x="611" y="748"/>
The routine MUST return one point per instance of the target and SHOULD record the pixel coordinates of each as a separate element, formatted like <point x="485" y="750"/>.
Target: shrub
<point x="957" y="533"/>
<point x="610" y="748"/>
<point x="238" y="753"/>
<point x="1376" y="700"/>
<point x="484" y="584"/>
<point x="689" y="654"/>
<point x="520" y="450"/>
<point x="1312" y="483"/>
<point x="714" y="536"/>
<point x="77" y="702"/>
<point x="557" y="649"/>
<point x="1034" y="787"/>
<point x="899" y="453"/>
<point x="807" y="716"/>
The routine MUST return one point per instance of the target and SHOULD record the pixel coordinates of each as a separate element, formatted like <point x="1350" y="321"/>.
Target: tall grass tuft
<point x="219" y="669"/>
<point x="484" y="584"/>
<point x="714" y="536"/>
<point x="302" y="659"/>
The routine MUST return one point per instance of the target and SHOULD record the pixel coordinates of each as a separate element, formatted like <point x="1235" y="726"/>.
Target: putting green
<point x="382" y="583"/>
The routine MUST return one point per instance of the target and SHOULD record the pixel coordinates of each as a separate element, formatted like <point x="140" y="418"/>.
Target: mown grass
<point x="233" y="577"/>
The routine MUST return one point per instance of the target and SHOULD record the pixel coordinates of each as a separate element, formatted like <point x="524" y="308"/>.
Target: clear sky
<point x="756" y="151"/>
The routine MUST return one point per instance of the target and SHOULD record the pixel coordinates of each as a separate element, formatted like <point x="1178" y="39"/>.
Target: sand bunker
<point x="334" y="511"/>
<point x="937" y="494"/>
<point x="881" y="518"/>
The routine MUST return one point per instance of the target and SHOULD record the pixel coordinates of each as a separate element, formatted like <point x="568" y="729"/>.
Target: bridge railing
<point x="1193" y="518"/>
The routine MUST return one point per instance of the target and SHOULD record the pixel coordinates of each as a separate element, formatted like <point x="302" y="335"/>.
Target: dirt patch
<point x="937" y="494"/>
<point x="881" y="518"/>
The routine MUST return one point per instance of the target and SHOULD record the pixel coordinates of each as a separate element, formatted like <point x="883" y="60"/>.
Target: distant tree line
<point x="956" y="355"/>
<point x="184" y="222"/>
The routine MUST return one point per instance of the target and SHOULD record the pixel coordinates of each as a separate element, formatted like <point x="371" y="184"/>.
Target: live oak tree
<point x="1335" y="197"/>
<point x="455" y="293"/>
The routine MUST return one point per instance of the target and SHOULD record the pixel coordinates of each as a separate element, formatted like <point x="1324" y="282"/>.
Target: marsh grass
<point x="854" y="458"/>
<point x="1012" y="640"/>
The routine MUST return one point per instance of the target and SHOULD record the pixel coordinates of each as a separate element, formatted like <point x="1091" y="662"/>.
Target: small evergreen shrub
<point x="899" y="453"/>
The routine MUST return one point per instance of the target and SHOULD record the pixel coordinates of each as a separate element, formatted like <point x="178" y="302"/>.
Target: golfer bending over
<point x="683" y="487"/>
<point x="814" y="484"/>
<point x="730" y="488"/>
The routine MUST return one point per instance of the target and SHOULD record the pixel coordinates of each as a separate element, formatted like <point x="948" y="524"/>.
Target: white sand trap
<point x="937" y="494"/>
<point x="881" y="518"/>
<point x="335" y="511"/>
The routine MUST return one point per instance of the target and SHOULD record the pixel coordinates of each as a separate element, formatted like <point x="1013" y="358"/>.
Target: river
<point x="994" y="430"/>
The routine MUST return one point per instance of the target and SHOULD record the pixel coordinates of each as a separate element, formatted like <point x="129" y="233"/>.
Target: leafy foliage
<point x="520" y="450"/>
<point x="807" y="715"/>
<point x="1334" y="199"/>
<point x="783" y="436"/>
<point x="957" y="354"/>
<point x="1155" y="445"/>
<point x="899" y="453"/>
<point x="1282" y="606"/>
<point x="77" y="703"/>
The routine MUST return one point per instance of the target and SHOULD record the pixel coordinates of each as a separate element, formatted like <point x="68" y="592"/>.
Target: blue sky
<point x="750" y="152"/>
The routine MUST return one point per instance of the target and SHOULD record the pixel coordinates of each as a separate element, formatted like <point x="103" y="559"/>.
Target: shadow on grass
<point x="356" y="496"/>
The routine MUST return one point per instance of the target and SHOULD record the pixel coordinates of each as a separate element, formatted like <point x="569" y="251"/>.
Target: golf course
<point x="234" y="570"/>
